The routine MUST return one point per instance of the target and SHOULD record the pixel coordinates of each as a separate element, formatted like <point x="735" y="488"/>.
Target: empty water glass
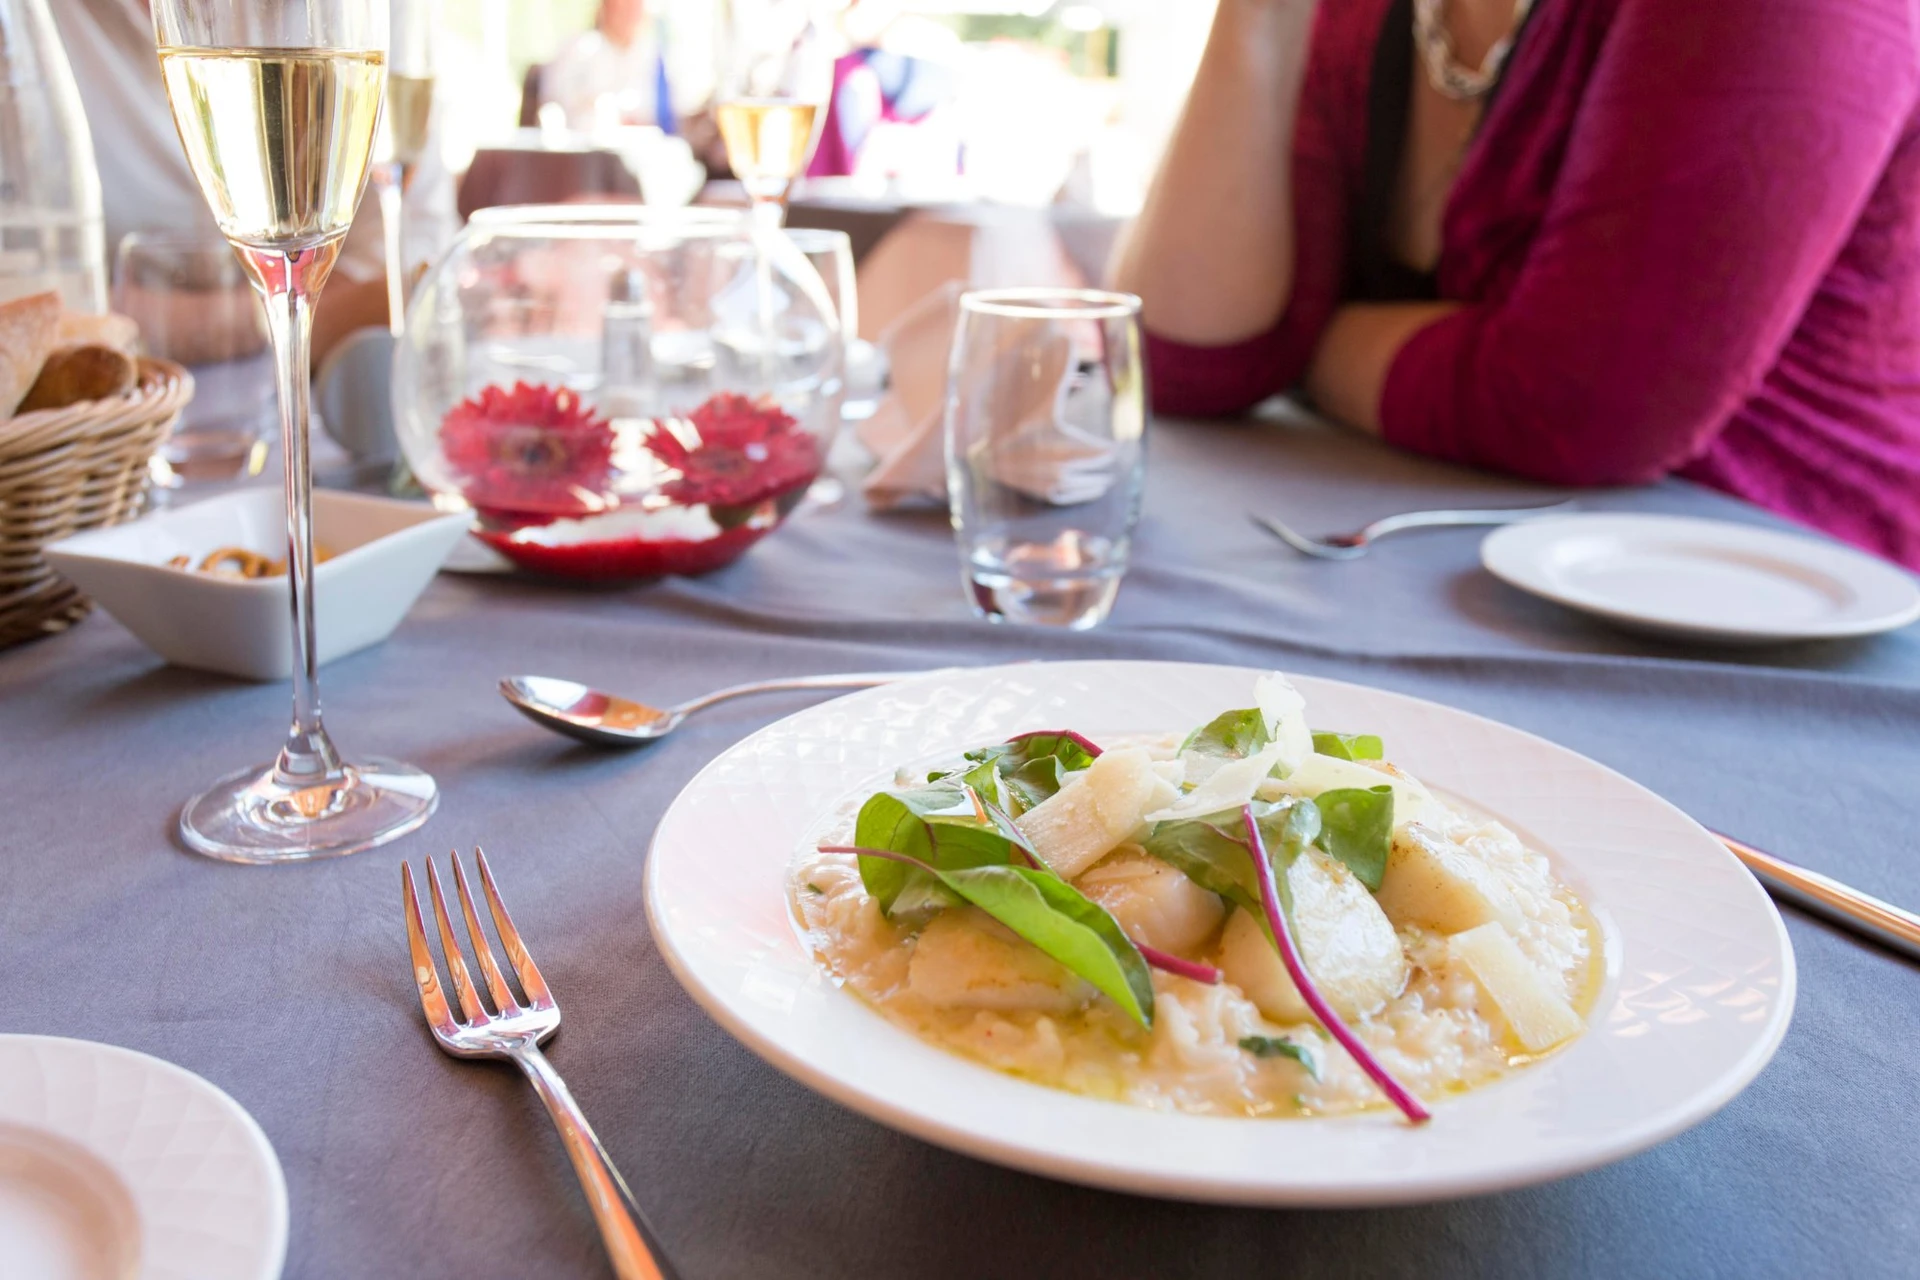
<point x="194" y="305"/>
<point x="831" y="254"/>
<point x="1046" y="450"/>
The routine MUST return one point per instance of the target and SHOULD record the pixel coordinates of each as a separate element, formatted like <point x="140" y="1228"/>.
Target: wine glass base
<point x="250" y="816"/>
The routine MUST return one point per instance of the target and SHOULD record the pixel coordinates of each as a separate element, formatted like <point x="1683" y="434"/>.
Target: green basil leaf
<point x="1208" y="856"/>
<point x="897" y="820"/>
<point x="1009" y="756"/>
<point x="1058" y="919"/>
<point x="960" y="843"/>
<point x="1233" y="734"/>
<point x="1212" y="851"/>
<point x="1348" y="746"/>
<point x="984" y="779"/>
<point x="920" y="898"/>
<point x="1356" y="827"/>
<point x="1280" y="1047"/>
<point x="1033" y="783"/>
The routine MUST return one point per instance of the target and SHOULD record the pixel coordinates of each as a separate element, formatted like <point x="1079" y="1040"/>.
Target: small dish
<point x="116" y="1163"/>
<point x="1703" y="580"/>
<point x="383" y="555"/>
<point x="1698" y="987"/>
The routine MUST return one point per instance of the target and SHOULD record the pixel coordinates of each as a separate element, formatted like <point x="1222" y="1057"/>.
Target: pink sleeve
<point x="1208" y="381"/>
<point x="1722" y="153"/>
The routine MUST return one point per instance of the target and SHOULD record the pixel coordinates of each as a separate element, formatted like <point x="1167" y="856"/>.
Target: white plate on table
<point x="1708" y="580"/>
<point x="1698" y="988"/>
<point x="114" y="1164"/>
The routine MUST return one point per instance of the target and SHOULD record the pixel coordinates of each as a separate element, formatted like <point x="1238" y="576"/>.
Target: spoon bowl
<point x="588" y="714"/>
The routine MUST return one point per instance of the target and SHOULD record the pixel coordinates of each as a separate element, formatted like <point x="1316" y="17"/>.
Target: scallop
<point x="1153" y="902"/>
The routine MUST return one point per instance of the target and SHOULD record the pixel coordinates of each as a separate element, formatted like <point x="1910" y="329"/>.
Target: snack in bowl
<point x="238" y="562"/>
<point x="1255" y="920"/>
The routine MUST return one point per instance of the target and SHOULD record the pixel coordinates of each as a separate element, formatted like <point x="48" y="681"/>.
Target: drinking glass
<point x="194" y="305"/>
<point x="1046" y="450"/>
<point x="403" y="138"/>
<point x="773" y="100"/>
<point x="277" y="102"/>
<point x="831" y="253"/>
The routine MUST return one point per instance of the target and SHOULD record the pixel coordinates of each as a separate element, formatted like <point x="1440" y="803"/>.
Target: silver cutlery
<point x="608" y="721"/>
<point x="1862" y="913"/>
<point x="1351" y="546"/>
<point x="513" y="1031"/>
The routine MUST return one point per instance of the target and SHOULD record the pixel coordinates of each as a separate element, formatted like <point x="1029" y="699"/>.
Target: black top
<point x="1374" y="274"/>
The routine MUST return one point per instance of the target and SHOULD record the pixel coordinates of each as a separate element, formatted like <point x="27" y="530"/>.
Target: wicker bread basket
<point x="65" y="470"/>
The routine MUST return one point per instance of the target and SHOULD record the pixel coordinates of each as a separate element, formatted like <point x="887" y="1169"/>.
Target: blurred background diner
<point x="928" y="132"/>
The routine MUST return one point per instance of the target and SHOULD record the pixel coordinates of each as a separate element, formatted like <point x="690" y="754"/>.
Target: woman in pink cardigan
<point x="1592" y="242"/>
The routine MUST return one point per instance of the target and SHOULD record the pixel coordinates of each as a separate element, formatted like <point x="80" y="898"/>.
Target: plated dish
<point x="1705" y="580"/>
<point x="1094" y="916"/>
<point x="1686" y="989"/>
<point x="114" y="1163"/>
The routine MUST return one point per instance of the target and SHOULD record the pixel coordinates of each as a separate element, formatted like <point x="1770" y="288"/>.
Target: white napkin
<point x="1038" y="451"/>
<point x="1034" y="448"/>
<point x="904" y="432"/>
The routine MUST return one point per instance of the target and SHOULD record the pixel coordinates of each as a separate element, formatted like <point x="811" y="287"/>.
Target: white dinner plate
<point x="1706" y="580"/>
<point x="116" y="1165"/>
<point x="1698" y="986"/>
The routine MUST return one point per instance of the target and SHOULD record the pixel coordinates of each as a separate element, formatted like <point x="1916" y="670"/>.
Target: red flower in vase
<point x="747" y="451"/>
<point x="535" y="453"/>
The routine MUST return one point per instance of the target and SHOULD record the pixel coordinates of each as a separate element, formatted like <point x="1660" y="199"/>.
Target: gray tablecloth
<point x="289" y="988"/>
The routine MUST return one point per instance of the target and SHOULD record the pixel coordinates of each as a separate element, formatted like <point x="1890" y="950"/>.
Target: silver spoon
<point x="608" y="721"/>
<point x="1351" y="546"/>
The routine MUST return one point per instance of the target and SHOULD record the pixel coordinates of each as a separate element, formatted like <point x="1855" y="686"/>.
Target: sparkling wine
<point x="769" y="141"/>
<point x="279" y="139"/>
<point x="409" y="108"/>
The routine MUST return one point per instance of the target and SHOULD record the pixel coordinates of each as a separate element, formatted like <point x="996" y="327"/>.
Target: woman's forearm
<point x="1350" y="367"/>
<point x="1212" y="252"/>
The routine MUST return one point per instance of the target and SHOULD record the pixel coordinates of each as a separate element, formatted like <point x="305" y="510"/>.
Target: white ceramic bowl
<point x="384" y="553"/>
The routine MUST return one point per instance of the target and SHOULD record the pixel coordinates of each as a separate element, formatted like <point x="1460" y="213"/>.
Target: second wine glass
<point x="277" y="106"/>
<point x="773" y="100"/>
<point x="403" y="138"/>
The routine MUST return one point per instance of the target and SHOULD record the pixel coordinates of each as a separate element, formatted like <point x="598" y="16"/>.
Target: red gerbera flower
<point x="746" y="452"/>
<point x="529" y="452"/>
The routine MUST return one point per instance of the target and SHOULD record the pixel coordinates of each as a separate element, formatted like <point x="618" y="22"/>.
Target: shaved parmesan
<point x="1285" y="712"/>
<point x="1228" y="787"/>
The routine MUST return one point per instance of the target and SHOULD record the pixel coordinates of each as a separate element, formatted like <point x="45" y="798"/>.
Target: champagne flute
<point x="277" y="102"/>
<point x="773" y="103"/>
<point x="402" y="139"/>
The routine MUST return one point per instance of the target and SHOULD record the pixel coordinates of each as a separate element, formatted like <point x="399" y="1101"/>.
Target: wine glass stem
<point x="390" y="181"/>
<point x="769" y="213"/>
<point x="288" y="281"/>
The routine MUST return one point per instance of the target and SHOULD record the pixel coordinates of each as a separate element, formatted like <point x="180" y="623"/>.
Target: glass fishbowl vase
<point x="618" y="392"/>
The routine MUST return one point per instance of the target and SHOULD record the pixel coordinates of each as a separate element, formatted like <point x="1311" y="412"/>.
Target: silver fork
<point x="1351" y="546"/>
<point x="514" y="1032"/>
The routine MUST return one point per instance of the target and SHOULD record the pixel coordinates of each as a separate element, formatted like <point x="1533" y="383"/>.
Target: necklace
<point x="1444" y="72"/>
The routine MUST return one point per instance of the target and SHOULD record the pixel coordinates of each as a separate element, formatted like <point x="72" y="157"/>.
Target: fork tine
<point x="523" y="967"/>
<point x="462" y="984"/>
<point x="482" y="949"/>
<point x="433" y="1001"/>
